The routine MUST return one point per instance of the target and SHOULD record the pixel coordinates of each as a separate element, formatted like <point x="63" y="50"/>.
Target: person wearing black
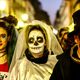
<point x="68" y="65"/>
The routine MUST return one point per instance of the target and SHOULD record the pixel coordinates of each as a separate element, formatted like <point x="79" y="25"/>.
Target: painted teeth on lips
<point x="35" y="47"/>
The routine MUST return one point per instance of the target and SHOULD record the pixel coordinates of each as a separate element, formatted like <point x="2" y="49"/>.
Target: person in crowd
<point x="63" y="37"/>
<point x="68" y="65"/>
<point x="8" y="38"/>
<point x="33" y="51"/>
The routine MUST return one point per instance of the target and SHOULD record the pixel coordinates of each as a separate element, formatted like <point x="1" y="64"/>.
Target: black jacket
<point x="66" y="68"/>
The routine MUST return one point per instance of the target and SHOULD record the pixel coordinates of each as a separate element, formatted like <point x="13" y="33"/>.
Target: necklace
<point x="3" y="59"/>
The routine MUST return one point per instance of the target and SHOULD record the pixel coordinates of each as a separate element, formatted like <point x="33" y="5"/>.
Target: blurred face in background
<point x="3" y="38"/>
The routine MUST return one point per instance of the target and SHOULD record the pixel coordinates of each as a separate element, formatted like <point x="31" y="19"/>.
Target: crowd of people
<point x="35" y="53"/>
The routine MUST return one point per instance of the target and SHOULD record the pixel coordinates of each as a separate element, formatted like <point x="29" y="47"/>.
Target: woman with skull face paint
<point x="33" y="59"/>
<point x="37" y="51"/>
<point x="7" y="44"/>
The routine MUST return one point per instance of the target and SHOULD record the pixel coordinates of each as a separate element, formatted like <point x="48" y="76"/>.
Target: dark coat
<point x="66" y="68"/>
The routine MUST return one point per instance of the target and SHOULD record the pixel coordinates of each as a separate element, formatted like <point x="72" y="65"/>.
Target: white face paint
<point x="36" y="42"/>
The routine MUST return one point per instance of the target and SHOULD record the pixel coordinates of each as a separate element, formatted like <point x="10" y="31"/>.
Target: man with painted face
<point x="33" y="53"/>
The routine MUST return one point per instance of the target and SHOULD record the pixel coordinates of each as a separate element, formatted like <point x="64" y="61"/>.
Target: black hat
<point x="76" y="17"/>
<point x="76" y="20"/>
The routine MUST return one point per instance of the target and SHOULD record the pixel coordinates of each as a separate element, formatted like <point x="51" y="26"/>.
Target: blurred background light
<point x="24" y="17"/>
<point x="20" y="24"/>
<point x="55" y="31"/>
<point x="2" y="4"/>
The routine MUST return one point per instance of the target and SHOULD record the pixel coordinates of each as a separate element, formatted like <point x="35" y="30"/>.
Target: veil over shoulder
<point x="52" y="42"/>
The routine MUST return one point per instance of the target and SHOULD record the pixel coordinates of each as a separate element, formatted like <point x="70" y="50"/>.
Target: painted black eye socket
<point x="31" y="40"/>
<point x="40" y="39"/>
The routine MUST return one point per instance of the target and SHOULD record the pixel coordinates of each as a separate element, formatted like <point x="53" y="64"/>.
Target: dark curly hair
<point x="8" y="22"/>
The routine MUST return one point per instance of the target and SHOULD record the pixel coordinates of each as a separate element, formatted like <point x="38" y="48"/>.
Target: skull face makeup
<point x="36" y="42"/>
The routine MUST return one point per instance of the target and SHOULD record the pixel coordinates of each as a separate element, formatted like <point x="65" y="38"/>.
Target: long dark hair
<point x="8" y="23"/>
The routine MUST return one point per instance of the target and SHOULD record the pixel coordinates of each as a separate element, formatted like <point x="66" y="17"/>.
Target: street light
<point x="24" y="17"/>
<point x="20" y="24"/>
<point x="2" y="5"/>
